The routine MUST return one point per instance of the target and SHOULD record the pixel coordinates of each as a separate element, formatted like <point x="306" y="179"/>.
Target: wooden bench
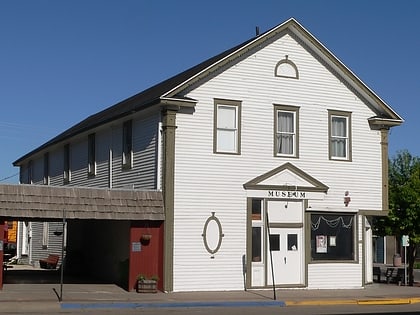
<point x="400" y="277"/>
<point x="50" y="262"/>
<point x="377" y="273"/>
<point x="389" y="275"/>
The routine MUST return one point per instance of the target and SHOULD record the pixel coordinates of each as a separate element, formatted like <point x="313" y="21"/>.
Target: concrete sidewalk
<point x="19" y="297"/>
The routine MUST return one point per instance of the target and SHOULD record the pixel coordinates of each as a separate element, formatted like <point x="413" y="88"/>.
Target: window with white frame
<point x="340" y="135"/>
<point x="127" y="145"/>
<point x="227" y="126"/>
<point x="91" y="155"/>
<point x="286" y="130"/>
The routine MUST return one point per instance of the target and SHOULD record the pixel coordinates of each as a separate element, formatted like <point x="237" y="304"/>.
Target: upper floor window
<point x="30" y="172"/>
<point x="339" y="135"/>
<point x="66" y="171"/>
<point x="127" y="145"/>
<point x="46" y="179"/>
<point x="91" y="155"/>
<point x="227" y="126"/>
<point x="286" y="130"/>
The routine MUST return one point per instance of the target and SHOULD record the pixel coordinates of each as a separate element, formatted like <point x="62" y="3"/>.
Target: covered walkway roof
<point x="50" y="202"/>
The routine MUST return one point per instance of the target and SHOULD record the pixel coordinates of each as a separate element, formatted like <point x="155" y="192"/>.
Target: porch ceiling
<point x="49" y="202"/>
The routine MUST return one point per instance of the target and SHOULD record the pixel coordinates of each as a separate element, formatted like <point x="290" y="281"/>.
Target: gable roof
<point x="173" y="87"/>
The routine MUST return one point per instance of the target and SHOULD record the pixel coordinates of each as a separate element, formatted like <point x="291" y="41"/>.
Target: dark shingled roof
<point x="48" y="202"/>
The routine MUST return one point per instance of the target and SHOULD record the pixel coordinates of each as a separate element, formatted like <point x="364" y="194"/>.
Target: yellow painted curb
<point x="395" y="301"/>
<point x="320" y="302"/>
<point x="414" y="300"/>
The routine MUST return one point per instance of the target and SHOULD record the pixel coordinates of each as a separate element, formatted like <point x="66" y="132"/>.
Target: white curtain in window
<point x="339" y="136"/>
<point x="226" y="129"/>
<point x="285" y="132"/>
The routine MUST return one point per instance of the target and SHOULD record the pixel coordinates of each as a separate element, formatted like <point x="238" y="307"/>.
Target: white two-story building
<point x="271" y="158"/>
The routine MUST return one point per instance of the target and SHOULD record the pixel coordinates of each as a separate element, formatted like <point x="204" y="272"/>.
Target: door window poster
<point x="321" y="243"/>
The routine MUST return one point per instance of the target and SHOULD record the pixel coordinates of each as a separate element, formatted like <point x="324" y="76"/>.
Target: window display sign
<point x="332" y="241"/>
<point x="321" y="243"/>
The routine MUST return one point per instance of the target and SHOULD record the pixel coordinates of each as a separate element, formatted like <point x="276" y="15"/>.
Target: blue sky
<point x="61" y="61"/>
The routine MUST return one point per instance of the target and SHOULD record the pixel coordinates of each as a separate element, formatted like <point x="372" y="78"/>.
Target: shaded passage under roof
<point x="48" y="203"/>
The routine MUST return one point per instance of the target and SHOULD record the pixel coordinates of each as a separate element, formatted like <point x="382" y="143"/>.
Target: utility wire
<point x="8" y="177"/>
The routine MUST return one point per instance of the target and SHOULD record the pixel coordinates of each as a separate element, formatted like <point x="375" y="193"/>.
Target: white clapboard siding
<point x="334" y="276"/>
<point x="207" y="182"/>
<point x="109" y="137"/>
<point x="78" y="162"/>
<point x="54" y="241"/>
<point x="38" y="171"/>
<point x="103" y="145"/>
<point x="143" y="173"/>
<point x="56" y="166"/>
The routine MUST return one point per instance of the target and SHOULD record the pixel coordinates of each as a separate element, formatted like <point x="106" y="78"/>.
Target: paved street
<point x="41" y="297"/>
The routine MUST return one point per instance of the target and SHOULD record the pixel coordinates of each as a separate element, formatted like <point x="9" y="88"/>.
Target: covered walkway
<point x="91" y="208"/>
<point x="48" y="202"/>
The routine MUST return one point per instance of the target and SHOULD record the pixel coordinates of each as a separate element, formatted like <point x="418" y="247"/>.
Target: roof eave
<point x="380" y="123"/>
<point x="62" y="137"/>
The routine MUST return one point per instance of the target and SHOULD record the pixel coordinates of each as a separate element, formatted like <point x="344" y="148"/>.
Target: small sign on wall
<point x="136" y="247"/>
